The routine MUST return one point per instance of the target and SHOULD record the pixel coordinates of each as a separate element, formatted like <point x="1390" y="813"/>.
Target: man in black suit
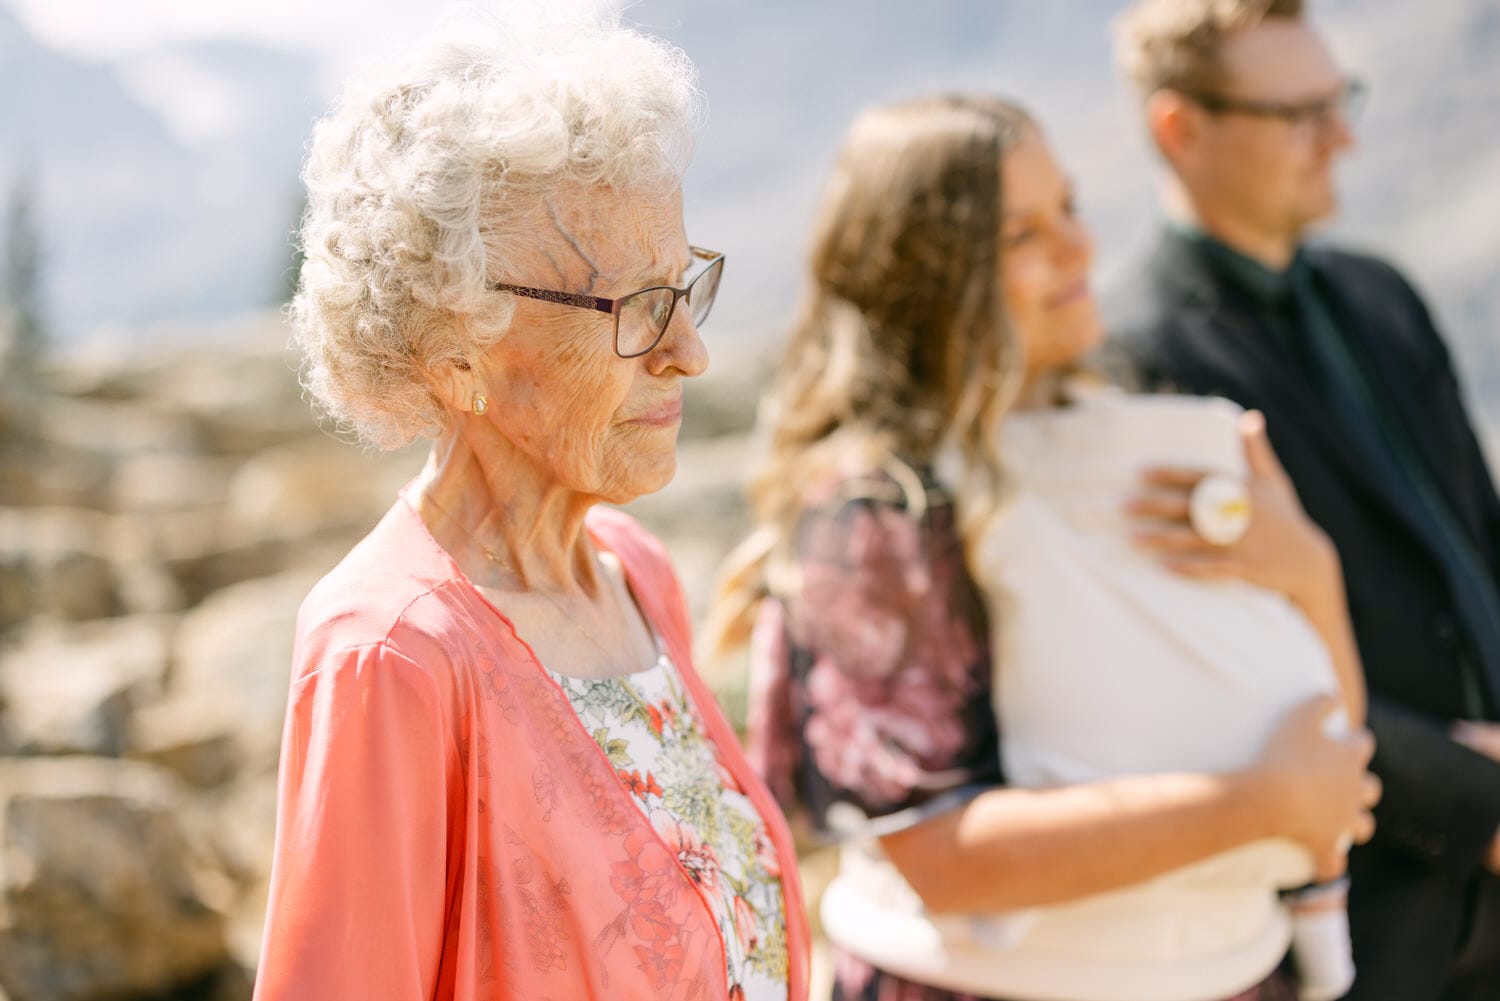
<point x="1249" y="112"/>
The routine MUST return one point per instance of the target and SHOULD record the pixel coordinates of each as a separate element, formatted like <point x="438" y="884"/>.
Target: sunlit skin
<point x="1046" y="253"/>
<point x="1257" y="183"/>
<point x="584" y="419"/>
<point x="569" y="424"/>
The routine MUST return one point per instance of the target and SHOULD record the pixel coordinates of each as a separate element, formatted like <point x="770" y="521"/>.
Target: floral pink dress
<point x="870" y="687"/>
<point x="645" y="724"/>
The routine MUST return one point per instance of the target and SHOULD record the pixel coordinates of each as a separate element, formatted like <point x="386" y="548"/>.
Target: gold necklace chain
<point x="494" y="558"/>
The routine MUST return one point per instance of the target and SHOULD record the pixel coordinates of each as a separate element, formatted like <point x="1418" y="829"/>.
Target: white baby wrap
<point x="1109" y="665"/>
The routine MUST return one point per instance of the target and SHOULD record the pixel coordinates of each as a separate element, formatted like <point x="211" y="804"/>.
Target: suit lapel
<point x="1391" y="373"/>
<point x="1230" y="335"/>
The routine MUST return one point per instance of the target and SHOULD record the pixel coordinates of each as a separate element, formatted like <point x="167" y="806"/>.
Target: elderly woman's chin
<point x="648" y="464"/>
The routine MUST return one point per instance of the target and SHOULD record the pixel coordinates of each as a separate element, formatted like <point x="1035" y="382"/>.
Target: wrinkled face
<point x="590" y="421"/>
<point x="1269" y="174"/>
<point x="1044" y="259"/>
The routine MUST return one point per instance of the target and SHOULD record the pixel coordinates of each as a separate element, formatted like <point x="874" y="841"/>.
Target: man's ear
<point x="1175" y="124"/>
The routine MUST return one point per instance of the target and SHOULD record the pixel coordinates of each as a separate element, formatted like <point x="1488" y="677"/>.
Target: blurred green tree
<point x="22" y="286"/>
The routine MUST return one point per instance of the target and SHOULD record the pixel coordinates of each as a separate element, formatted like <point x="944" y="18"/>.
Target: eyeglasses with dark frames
<point x="641" y="318"/>
<point x="1317" y="113"/>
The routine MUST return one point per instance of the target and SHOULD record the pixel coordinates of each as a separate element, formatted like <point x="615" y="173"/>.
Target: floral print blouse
<point x="870" y="687"/>
<point x="646" y="726"/>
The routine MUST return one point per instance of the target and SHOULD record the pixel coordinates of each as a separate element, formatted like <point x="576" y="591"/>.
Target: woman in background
<point x="934" y="304"/>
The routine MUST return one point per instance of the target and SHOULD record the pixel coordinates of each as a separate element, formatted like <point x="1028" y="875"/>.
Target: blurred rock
<point x="194" y="738"/>
<point x="148" y="588"/>
<point x="80" y="585"/>
<point x="234" y="653"/>
<point x="118" y="427"/>
<point x="55" y="562"/>
<point x="17" y="598"/>
<point x="164" y="481"/>
<point x="230" y="982"/>
<point x="184" y="557"/>
<point x="314" y="486"/>
<point x="66" y="477"/>
<point x="244" y="828"/>
<point x="221" y="564"/>
<point x="104" y="891"/>
<point x="239" y="403"/>
<point x="73" y="692"/>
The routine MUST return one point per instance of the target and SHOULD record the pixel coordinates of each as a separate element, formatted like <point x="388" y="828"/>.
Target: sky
<point x="341" y="29"/>
<point x="342" y="33"/>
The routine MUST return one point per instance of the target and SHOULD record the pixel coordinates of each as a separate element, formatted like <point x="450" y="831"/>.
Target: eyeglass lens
<point x="644" y="316"/>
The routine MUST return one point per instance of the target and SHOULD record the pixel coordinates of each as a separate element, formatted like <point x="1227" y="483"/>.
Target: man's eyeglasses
<point x="1314" y="115"/>
<point x="641" y="318"/>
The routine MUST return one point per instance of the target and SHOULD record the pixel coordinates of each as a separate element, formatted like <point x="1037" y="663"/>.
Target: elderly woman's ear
<point x="460" y="385"/>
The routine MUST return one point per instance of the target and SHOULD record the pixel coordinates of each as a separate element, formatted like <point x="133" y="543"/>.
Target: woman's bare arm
<point x="1015" y="848"/>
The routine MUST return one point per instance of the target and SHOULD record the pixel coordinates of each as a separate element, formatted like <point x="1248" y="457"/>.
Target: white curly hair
<point x="419" y="178"/>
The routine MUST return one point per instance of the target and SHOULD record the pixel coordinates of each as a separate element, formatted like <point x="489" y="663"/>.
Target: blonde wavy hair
<point x="900" y="348"/>
<point x="425" y="180"/>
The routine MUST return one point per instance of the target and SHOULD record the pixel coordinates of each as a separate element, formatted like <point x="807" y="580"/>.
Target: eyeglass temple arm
<point x="563" y="298"/>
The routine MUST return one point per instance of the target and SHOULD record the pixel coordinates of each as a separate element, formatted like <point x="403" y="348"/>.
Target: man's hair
<point x="1175" y="44"/>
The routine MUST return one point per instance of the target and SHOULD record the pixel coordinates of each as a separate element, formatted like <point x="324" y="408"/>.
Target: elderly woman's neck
<point x="505" y="524"/>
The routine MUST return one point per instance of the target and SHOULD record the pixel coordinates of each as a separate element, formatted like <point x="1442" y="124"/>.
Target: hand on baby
<point x="1282" y="550"/>
<point x="1322" y="793"/>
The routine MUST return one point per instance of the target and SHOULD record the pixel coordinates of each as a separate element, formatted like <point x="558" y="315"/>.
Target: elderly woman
<point x="501" y="777"/>
<point x="1109" y="861"/>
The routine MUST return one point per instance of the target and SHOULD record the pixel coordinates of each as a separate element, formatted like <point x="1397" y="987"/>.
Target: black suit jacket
<point x="1419" y="887"/>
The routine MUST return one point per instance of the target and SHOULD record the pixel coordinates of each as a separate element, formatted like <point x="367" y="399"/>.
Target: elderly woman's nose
<point x="680" y="348"/>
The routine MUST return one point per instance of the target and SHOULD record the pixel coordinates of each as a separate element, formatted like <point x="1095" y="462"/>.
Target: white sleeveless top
<point x="1109" y="665"/>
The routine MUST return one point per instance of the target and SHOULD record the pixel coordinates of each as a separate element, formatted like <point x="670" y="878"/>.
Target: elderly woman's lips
<point x="662" y="415"/>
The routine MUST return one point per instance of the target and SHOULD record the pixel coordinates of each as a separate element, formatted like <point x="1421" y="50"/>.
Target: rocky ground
<point x="160" y="522"/>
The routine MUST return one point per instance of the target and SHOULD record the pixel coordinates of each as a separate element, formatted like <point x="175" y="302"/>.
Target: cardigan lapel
<point x="1391" y="374"/>
<point x="655" y="586"/>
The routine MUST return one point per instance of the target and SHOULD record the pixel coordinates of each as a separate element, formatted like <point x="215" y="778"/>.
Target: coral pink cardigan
<point x="446" y="827"/>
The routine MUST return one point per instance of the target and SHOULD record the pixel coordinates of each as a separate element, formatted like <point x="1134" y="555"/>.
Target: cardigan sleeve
<point x="357" y="894"/>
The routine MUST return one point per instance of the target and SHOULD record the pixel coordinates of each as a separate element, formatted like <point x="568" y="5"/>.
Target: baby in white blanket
<point x="1108" y="664"/>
